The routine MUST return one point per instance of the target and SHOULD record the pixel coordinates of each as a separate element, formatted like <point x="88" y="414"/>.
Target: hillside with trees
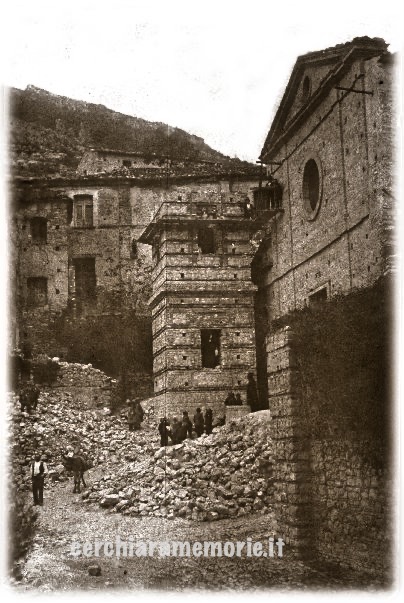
<point x="49" y="134"/>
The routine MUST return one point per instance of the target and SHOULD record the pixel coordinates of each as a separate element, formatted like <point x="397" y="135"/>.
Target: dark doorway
<point x="210" y="348"/>
<point x="85" y="280"/>
<point x="206" y="240"/>
<point x="39" y="230"/>
<point x="318" y="297"/>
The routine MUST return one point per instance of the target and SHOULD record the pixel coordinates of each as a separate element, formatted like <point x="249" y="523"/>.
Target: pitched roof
<point x="339" y="58"/>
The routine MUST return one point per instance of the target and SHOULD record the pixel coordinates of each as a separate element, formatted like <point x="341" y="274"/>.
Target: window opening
<point x="210" y="347"/>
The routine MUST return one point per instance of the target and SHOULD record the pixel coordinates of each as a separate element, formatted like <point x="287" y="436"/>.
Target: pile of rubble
<point x="80" y="375"/>
<point x="225" y="474"/>
<point x="60" y="424"/>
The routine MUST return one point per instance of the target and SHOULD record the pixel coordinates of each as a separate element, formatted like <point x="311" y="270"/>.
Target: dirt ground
<point x="65" y="518"/>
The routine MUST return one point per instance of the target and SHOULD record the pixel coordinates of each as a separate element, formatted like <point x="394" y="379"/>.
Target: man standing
<point x="138" y="415"/>
<point x="34" y="392"/>
<point x="198" y="422"/>
<point x="175" y="425"/>
<point x="163" y="431"/>
<point x="182" y="432"/>
<point x="187" y="420"/>
<point x="208" y="421"/>
<point x="38" y="472"/>
<point x="131" y="418"/>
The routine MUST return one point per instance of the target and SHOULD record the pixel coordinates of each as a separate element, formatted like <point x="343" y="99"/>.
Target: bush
<point x="344" y="360"/>
<point x="23" y="518"/>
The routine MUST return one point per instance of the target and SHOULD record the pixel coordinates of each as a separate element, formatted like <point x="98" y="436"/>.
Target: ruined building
<point x="75" y="253"/>
<point x="223" y="275"/>
<point x="109" y="161"/>
<point x="77" y="256"/>
<point x="96" y="161"/>
<point x="203" y="298"/>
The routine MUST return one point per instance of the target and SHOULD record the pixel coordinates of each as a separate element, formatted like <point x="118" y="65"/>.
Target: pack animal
<point x="78" y="465"/>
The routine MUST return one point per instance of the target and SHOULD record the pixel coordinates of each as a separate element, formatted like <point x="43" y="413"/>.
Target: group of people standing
<point x="177" y="431"/>
<point x="252" y="395"/>
<point x="233" y="399"/>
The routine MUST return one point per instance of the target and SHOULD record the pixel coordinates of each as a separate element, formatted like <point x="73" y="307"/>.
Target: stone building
<point x="149" y="165"/>
<point x="330" y="148"/>
<point x="203" y="298"/>
<point x="96" y="161"/>
<point x="74" y="250"/>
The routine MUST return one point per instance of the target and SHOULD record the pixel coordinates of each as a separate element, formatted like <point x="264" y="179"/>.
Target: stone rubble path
<point x="65" y="518"/>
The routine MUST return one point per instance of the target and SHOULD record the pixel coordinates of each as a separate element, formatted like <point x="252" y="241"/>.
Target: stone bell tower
<point x="203" y="297"/>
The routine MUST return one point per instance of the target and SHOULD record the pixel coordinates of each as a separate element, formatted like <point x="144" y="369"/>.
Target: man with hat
<point x="38" y="472"/>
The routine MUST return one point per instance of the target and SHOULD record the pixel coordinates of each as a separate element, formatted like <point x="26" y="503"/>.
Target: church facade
<point x="330" y="148"/>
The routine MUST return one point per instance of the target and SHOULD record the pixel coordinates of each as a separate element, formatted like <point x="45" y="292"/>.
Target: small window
<point x="37" y="291"/>
<point x="83" y="210"/>
<point x="126" y="163"/>
<point x="206" y="240"/>
<point x="39" y="230"/>
<point x="210" y="347"/>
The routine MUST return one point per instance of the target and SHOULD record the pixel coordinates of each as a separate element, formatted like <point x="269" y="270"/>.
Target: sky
<point x="216" y="69"/>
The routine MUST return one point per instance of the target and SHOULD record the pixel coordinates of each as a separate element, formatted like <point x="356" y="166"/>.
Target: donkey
<point x="78" y="465"/>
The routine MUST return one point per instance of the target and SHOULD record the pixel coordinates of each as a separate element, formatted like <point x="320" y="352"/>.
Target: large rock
<point x="94" y="570"/>
<point x="110" y="500"/>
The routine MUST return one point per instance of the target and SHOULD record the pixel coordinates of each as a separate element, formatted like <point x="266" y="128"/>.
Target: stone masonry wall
<point x="88" y="386"/>
<point x="292" y="502"/>
<point x="350" y="500"/>
<point x="330" y="495"/>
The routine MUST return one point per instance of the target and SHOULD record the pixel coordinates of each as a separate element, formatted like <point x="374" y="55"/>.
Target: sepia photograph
<point x="201" y="298"/>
